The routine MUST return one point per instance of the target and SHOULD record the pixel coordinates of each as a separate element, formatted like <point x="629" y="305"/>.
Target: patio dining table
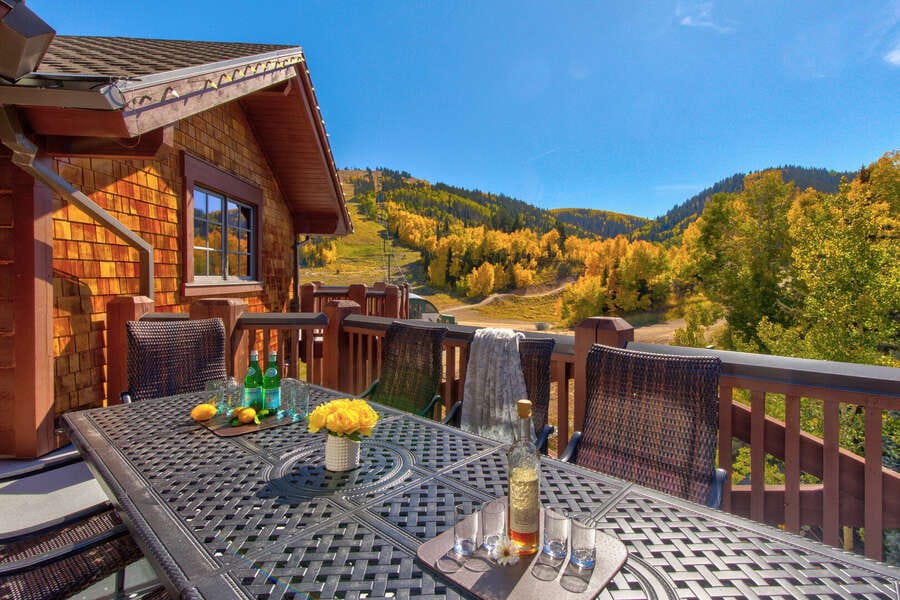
<point x="257" y="516"/>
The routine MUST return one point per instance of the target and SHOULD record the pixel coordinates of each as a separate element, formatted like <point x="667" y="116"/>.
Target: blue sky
<point x="625" y="106"/>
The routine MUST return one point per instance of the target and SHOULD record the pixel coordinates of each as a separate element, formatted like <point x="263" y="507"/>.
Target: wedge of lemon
<point x="203" y="412"/>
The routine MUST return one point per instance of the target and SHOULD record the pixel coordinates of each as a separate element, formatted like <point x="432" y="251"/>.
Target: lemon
<point x="247" y="415"/>
<point x="203" y="412"/>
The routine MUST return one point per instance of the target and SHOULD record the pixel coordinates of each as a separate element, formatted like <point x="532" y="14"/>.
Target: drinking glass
<point x="232" y="395"/>
<point x="556" y="533"/>
<point x="465" y="530"/>
<point x="215" y="389"/>
<point x="584" y="540"/>
<point x="493" y="524"/>
<point x="294" y="399"/>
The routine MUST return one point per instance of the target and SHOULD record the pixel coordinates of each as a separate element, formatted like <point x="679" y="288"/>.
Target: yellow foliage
<point x="480" y="282"/>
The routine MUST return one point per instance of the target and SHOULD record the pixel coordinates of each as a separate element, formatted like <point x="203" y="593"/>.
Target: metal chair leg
<point x="120" y="585"/>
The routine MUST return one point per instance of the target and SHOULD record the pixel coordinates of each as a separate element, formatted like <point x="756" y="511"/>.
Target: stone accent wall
<point x="91" y="265"/>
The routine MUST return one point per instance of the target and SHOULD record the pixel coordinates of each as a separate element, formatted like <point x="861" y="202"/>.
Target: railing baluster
<point x="757" y="455"/>
<point x="873" y="512"/>
<point x="450" y="374"/>
<point x="726" y="399"/>
<point x="792" y="463"/>
<point x="558" y="372"/>
<point x="830" y="473"/>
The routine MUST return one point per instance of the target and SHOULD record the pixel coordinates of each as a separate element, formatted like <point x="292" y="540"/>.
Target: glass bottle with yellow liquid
<point x="524" y="491"/>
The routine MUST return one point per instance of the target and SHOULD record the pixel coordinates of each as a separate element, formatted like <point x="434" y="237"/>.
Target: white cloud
<point x="893" y="57"/>
<point x="699" y="14"/>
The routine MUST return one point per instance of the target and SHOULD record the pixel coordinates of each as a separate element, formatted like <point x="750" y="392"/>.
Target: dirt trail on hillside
<point x="492" y="297"/>
<point x="466" y="314"/>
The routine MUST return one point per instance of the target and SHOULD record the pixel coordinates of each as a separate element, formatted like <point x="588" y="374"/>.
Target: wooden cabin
<point x="160" y="169"/>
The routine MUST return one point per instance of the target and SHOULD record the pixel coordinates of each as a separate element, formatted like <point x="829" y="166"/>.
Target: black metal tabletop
<point x="258" y="516"/>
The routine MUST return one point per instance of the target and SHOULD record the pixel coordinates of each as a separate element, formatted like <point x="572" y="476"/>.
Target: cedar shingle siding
<point x="91" y="265"/>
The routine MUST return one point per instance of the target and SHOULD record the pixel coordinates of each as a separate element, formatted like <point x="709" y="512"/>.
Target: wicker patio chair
<point x="174" y="357"/>
<point x="652" y="419"/>
<point x="62" y="557"/>
<point x="534" y="356"/>
<point x="410" y="369"/>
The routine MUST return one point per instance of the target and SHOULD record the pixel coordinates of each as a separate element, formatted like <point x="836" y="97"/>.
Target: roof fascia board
<point x="167" y="102"/>
<point x="311" y="103"/>
<point x="139" y="83"/>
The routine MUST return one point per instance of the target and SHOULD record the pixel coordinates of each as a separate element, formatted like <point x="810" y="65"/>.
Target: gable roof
<point x="115" y="88"/>
<point x="123" y="57"/>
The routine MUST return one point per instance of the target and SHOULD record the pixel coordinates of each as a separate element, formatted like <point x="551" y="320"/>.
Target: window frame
<point x="199" y="173"/>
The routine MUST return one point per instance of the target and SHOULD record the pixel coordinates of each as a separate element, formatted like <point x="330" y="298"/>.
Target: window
<point x="223" y="237"/>
<point x="221" y="230"/>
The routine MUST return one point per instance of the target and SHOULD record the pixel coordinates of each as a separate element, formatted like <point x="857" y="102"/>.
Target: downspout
<point x="24" y="154"/>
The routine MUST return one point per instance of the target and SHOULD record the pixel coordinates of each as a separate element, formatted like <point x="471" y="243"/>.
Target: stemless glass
<point x="232" y="395"/>
<point x="493" y="524"/>
<point x="294" y="399"/>
<point x="584" y="540"/>
<point x="465" y="530"/>
<point x="214" y="391"/>
<point x="556" y="533"/>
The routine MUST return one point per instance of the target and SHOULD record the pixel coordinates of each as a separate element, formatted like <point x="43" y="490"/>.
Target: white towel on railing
<point x="494" y="383"/>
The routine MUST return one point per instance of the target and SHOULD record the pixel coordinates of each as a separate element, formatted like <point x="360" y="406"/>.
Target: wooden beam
<point x="142" y="147"/>
<point x="46" y="120"/>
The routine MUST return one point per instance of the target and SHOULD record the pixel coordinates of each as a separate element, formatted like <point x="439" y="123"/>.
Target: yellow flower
<point x="344" y="417"/>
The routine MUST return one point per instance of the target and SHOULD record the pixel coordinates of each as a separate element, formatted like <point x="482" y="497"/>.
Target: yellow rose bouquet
<point x="344" y="417"/>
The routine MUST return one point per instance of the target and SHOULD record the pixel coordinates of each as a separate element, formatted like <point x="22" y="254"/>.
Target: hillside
<point x="600" y="222"/>
<point x="669" y="227"/>
<point x="472" y="208"/>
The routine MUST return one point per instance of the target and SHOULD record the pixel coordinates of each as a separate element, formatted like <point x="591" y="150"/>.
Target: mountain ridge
<point x="499" y="211"/>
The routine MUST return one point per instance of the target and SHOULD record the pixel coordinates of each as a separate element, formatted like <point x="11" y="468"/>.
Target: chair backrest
<point x="652" y="419"/>
<point x="534" y="355"/>
<point x="410" y="366"/>
<point x="174" y="357"/>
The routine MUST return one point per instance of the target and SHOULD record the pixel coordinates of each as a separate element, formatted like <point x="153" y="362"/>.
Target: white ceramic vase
<point x="341" y="454"/>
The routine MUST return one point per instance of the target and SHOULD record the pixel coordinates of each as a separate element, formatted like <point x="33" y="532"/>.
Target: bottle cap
<point x="524" y="409"/>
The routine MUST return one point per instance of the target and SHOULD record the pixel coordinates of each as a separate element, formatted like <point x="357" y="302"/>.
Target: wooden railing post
<point x="357" y="293"/>
<point x="308" y="297"/>
<point x="337" y="367"/>
<point x="610" y="331"/>
<point x="118" y="311"/>
<point x="229" y="310"/>
<point x="392" y="302"/>
<point x="404" y="301"/>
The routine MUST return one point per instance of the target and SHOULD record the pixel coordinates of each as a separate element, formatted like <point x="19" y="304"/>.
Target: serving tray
<point x="533" y="576"/>
<point x="221" y="425"/>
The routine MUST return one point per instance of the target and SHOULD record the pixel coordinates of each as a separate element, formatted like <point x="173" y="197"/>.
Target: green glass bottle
<point x="253" y="383"/>
<point x="271" y="384"/>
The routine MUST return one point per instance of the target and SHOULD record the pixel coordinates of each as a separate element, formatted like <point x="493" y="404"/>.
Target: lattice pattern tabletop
<point x="257" y="516"/>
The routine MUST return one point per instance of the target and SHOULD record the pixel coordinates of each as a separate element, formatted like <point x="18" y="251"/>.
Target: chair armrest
<point x="571" y="452"/>
<point x="369" y="389"/>
<point x="452" y="417"/>
<point x="715" y="491"/>
<point x="543" y="437"/>
<point x="428" y="411"/>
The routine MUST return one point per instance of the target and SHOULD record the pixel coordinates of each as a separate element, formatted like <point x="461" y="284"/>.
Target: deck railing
<point x="850" y="490"/>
